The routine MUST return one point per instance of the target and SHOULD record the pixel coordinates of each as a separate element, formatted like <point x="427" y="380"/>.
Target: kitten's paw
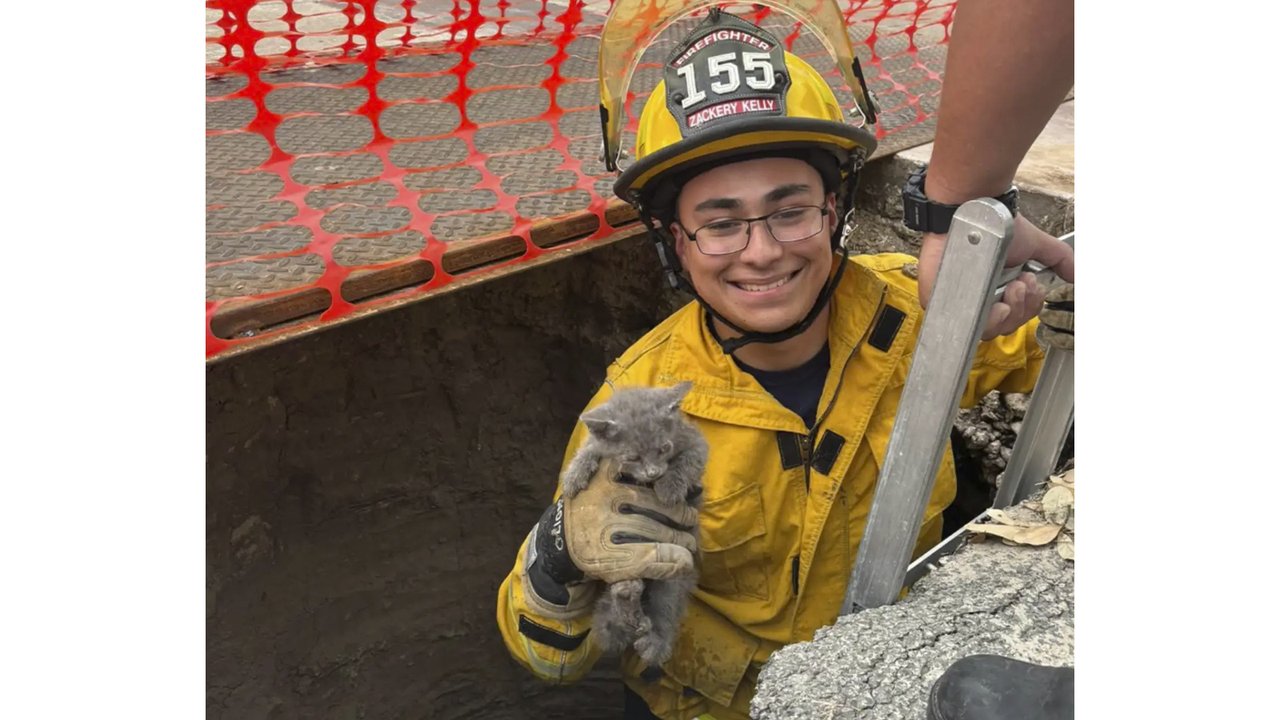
<point x="609" y="636"/>
<point x="576" y="477"/>
<point x="571" y="485"/>
<point x="653" y="648"/>
<point x="670" y="490"/>
<point x="627" y="591"/>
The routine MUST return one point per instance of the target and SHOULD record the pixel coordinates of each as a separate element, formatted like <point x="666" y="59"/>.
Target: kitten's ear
<point x="677" y="395"/>
<point x="600" y="424"/>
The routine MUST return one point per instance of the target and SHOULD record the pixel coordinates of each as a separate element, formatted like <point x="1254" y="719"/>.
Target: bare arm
<point x="1009" y="65"/>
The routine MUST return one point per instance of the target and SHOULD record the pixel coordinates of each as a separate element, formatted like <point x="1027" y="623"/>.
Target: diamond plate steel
<point x="577" y="95"/>
<point x="541" y="206"/>
<point x="515" y="162"/>
<point x="419" y="119"/>
<point x="318" y="134"/>
<point x="578" y="67"/>
<point x="378" y="193"/>
<point x="276" y="240"/>
<point x="235" y="151"/>
<point x="514" y="104"/>
<point x="456" y="178"/>
<point x="220" y="85"/>
<point x="485" y="76"/>
<point x="331" y="169"/>
<point x="449" y="200"/>
<point x="241" y="188"/>
<point x="416" y="88"/>
<point x="449" y="228"/>
<point x="436" y="63"/>
<point x="513" y="55"/>
<point x="361" y="219"/>
<point x="235" y="218"/>
<point x="604" y="187"/>
<point x="368" y="251"/>
<point x="533" y="180"/>
<point x="428" y="153"/>
<point x="242" y="198"/>
<point x="316" y="100"/>
<point x="506" y="138"/>
<point x="583" y="47"/>
<point x="254" y="277"/>
<point x="229" y="114"/>
<point x="581" y="124"/>
<point x="335" y="74"/>
<point x="587" y="148"/>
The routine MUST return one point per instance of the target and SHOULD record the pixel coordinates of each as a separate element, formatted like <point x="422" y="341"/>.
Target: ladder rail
<point x="979" y="238"/>
<point x="1050" y="414"/>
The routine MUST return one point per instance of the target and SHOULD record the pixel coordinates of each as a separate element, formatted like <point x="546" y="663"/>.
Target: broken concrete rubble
<point x="989" y="597"/>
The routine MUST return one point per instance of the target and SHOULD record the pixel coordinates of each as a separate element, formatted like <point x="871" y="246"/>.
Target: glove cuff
<point x="552" y="583"/>
<point x="551" y="550"/>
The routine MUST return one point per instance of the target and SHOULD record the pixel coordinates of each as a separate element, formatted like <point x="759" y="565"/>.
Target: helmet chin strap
<point x="671" y="266"/>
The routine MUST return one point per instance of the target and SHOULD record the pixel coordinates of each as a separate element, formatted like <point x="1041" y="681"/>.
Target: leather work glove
<point x="1058" y="318"/>
<point x="611" y="531"/>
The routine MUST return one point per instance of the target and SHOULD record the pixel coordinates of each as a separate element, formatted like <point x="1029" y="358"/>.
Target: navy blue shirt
<point x="798" y="389"/>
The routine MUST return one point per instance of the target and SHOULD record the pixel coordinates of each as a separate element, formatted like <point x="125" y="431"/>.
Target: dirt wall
<point x="368" y="486"/>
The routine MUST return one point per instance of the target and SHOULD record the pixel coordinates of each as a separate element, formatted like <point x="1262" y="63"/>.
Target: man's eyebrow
<point x="718" y="204"/>
<point x="785" y="191"/>
<point x="779" y="193"/>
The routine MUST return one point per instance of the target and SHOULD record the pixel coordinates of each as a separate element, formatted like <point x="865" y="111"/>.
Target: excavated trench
<point x="368" y="485"/>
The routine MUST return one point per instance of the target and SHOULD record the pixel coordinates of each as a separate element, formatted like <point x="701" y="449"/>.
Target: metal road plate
<point x="435" y="177"/>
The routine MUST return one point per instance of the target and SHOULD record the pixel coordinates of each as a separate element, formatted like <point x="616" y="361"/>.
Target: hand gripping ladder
<point x="969" y="280"/>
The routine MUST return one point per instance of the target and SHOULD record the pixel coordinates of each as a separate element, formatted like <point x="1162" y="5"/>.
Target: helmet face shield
<point x="732" y="78"/>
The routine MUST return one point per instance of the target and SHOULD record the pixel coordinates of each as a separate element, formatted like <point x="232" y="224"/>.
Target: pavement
<point x="1017" y="601"/>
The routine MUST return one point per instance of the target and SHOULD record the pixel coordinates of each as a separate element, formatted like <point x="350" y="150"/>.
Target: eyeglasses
<point x="731" y="235"/>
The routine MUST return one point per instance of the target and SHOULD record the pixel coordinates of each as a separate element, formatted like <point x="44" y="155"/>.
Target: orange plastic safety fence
<point x="360" y="152"/>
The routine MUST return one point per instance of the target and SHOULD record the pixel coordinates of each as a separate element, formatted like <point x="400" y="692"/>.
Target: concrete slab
<point x="1016" y="601"/>
<point x="1050" y="165"/>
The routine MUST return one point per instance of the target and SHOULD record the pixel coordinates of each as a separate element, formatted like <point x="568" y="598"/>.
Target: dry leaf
<point x="1067" y="478"/>
<point x="1066" y="547"/>
<point x="1033" y="535"/>
<point x="1071" y="521"/>
<point x="1001" y="517"/>
<point x="1058" y="502"/>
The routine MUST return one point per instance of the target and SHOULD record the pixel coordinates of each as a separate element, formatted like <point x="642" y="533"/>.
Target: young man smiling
<point x="797" y="355"/>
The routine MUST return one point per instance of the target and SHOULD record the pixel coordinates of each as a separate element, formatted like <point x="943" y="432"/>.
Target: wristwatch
<point x="920" y="213"/>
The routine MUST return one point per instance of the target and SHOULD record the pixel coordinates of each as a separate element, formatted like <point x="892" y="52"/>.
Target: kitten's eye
<point x="666" y="448"/>
<point x="632" y="458"/>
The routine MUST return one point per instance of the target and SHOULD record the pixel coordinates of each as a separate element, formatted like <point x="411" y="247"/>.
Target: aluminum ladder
<point x="969" y="280"/>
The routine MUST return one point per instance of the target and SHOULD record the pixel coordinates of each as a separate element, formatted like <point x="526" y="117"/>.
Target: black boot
<point x="990" y="687"/>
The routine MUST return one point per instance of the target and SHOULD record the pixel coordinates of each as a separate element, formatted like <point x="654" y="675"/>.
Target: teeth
<point x="762" y="288"/>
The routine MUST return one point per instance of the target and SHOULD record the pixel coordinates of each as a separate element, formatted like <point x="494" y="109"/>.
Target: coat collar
<point x="724" y="392"/>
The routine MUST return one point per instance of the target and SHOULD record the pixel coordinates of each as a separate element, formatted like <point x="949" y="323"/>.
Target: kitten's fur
<point x="644" y="430"/>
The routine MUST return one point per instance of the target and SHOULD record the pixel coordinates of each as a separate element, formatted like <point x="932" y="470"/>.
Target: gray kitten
<point x="644" y="430"/>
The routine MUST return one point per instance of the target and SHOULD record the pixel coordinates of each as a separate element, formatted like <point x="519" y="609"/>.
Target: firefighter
<point x="797" y="353"/>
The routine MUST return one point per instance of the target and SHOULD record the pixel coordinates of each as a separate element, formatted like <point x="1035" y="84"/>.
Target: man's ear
<point x="831" y="205"/>
<point x="681" y="241"/>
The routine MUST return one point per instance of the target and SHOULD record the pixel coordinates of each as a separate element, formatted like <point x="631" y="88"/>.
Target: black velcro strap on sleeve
<point x="824" y="457"/>
<point x="789" y="450"/>
<point x="886" y="328"/>
<point x="550" y="638"/>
